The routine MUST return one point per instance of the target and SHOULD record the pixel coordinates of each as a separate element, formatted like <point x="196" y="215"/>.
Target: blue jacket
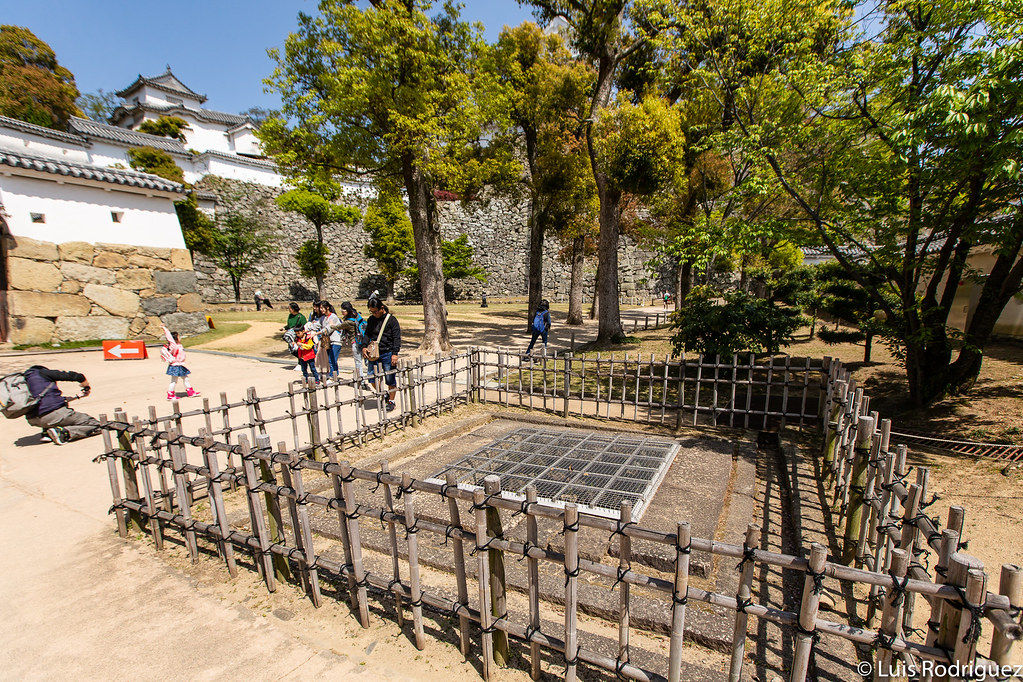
<point x="38" y="378"/>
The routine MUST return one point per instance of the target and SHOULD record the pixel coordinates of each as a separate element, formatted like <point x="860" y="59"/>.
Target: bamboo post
<point x="352" y="519"/>
<point x="533" y="569"/>
<point x="181" y="485"/>
<point x="866" y="535"/>
<point x="951" y="612"/>
<point x="160" y="470"/>
<point x="742" y="599"/>
<point x="857" y="484"/>
<point x="969" y="618"/>
<point x="115" y="487"/>
<point x="891" y="616"/>
<point x="128" y="468"/>
<point x="338" y="503"/>
<point x="567" y="366"/>
<point x="679" y="598"/>
<point x="265" y="561"/>
<point x="155" y="525"/>
<point x="216" y="496"/>
<point x="303" y="529"/>
<point x="1009" y="583"/>
<point x="482" y="573"/>
<point x="393" y="537"/>
<point x="498" y="585"/>
<point x="411" y="531"/>
<point x="882" y="540"/>
<point x="807" y="627"/>
<point x="282" y="570"/>
<point x="303" y="568"/>
<point x="949" y="542"/>
<point x="459" y="554"/>
<point x="624" y="564"/>
<point x="313" y="417"/>
<point x="571" y="589"/>
<point x="413" y="409"/>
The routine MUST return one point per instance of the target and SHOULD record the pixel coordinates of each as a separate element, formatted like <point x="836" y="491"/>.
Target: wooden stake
<point x="498" y="596"/>
<point x="411" y="531"/>
<point x="1009" y="584"/>
<point x="571" y="589"/>
<point x="680" y="596"/>
<point x="808" y="613"/>
<point x="743" y="598"/>
<point x="393" y="537"/>
<point x="482" y="574"/>
<point x="532" y="566"/>
<point x="459" y="555"/>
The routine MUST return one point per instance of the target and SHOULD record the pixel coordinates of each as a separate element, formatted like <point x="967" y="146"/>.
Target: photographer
<point x="59" y="422"/>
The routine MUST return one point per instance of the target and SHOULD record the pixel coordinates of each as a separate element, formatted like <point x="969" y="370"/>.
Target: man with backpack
<point x="541" y="325"/>
<point x="37" y="397"/>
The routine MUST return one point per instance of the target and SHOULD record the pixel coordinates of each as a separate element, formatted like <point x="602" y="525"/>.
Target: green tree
<point x="155" y="161"/>
<point x="458" y="260"/>
<point x="320" y="211"/>
<point x="165" y="126"/>
<point x="99" y="105"/>
<point x="600" y="33"/>
<point x="741" y="322"/>
<point x="547" y="106"/>
<point x="198" y="229"/>
<point x="239" y="243"/>
<point x="388" y="92"/>
<point x="390" y="238"/>
<point x="33" y="86"/>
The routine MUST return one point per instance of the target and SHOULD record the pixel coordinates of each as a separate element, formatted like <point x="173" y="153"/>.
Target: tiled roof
<point x="91" y="129"/>
<point x="248" y="160"/>
<point x="166" y="81"/>
<point x="209" y="115"/>
<point x="25" y="127"/>
<point x="117" y="176"/>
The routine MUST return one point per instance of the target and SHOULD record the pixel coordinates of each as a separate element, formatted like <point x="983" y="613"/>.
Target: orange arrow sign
<point x="124" y="350"/>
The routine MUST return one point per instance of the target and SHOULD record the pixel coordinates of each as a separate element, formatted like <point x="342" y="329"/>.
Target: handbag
<point x="373" y="348"/>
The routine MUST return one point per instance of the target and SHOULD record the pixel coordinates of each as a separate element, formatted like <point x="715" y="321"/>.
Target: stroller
<point x="291" y="339"/>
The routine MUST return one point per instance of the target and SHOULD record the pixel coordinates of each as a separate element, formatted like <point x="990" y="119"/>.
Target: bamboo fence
<point x="159" y="466"/>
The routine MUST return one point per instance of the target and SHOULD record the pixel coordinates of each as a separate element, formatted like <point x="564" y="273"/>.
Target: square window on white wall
<point x="117" y="216"/>
<point x="38" y="217"/>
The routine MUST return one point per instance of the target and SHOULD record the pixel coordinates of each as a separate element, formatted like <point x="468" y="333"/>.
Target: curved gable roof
<point x="166" y="81"/>
<point x="117" y="176"/>
<point x="91" y="129"/>
<point x="40" y="131"/>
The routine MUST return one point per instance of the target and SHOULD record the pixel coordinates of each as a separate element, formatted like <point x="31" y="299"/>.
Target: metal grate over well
<point x="595" y="470"/>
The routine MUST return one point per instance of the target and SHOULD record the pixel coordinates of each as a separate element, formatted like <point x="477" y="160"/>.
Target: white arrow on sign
<point x="119" y="352"/>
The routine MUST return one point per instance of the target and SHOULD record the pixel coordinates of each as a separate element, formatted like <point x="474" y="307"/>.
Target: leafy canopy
<point x="741" y="322"/>
<point x="155" y="161"/>
<point x="33" y="86"/>
<point x="317" y="209"/>
<point x="390" y="235"/>
<point x="165" y="126"/>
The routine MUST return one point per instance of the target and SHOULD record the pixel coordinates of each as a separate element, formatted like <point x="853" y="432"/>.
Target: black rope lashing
<point x="448" y="530"/>
<point x="976" y="612"/>
<point x="492" y="628"/>
<point x="485" y="545"/>
<point x="882" y="640"/>
<point x="814" y="634"/>
<point x="574" y="528"/>
<point x="622" y="572"/>
<point x="620" y="528"/>
<point x="748" y="554"/>
<point x="349" y="478"/>
<point x="412" y="530"/>
<point x="571" y="574"/>
<point x="688" y="549"/>
<point x="417" y="604"/>
<point x="364" y="582"/>
<point x="353" y="516"/>
<point x="530" y="631"/>
<point x="925" y="505"/>
<point x="379" y="482"/>
<point x="485" y="504"/>
<point x="681" y="601"/>
<point x="526" y="546"/>
<point x="405" y="490"/>
<point x="619" y="667"/>
<point x="444" y="487"/>
<point x="523" y="508"/>
<point x="898" y="589"/>
<point x="743" y="604"/>
<point x="965" y="544"/>
<point x="574" y="660"/>
<point x="818" y="581"/>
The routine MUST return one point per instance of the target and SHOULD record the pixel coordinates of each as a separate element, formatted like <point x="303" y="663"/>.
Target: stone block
<point x="181" y="259"/>
<point x="153" y="327"/>
<point x="109" y="259"/>
<point x="26" y="247"/>
<point x="140" y="261"/>
<point x="137" y="325"/>
<point x="70" y="286"/>
<point x="39" y="304"/>
<point x="159" y="306"/>
<point x="147" y="293"/>
<point x="113" y="300"/>
<point x="174" y="282"/>
<point x="77" y="252"/>
<point x="160" y="252"/>
<point x="186" y="324"/>
<point x="135" y="278"/>
<point x="87" y="273"/>
<point x="31" y="275"/>
<point x="191" y="303"/>
<point x="86" y="328"/>
<point x="31" y="330"/>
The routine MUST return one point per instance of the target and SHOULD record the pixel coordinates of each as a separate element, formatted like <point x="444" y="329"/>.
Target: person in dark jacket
<point x="381" y="324"/>
<point x="58" y="421"/>
<point x="540" y="324"/>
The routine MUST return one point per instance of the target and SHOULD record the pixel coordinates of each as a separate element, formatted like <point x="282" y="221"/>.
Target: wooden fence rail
<point x="178" y="456"/>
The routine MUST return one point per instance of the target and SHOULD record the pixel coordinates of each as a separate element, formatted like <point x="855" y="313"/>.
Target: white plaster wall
<point x="245" y="142"/>
<point x="108" y="154"/>
<point x="238" y="171"/>
<point x="203" y="136"/>
<point x="26" y="143"/>
<point x="153" y="96"/>
<point x="82" y="213"/>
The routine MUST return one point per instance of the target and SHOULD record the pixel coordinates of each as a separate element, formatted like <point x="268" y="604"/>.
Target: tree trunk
<point x="537" y="227"/>
<point x="609" y="320"/>
<point x="575" y="288"/>
<point x="236" y="283"/>
<point x="429" y="258"/>
<point x="684" y="283"/>
<point x="321" y="289"/>
<point x="868" y="343"/>
<point x="390" y="292"/>
<point x="595" y="301"/>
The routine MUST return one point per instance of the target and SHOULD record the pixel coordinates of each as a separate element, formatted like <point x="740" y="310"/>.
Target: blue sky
<point x="217" y="48"/>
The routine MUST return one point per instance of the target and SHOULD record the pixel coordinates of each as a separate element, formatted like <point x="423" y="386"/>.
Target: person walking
<point x="541" y="325"/>
<point x="307" y="355"/>
<point x="331" y="334"/>
<point x="354" y="333"/>
<point x="383" y="334"/>
<point x="60" y="424"/>
<point x="174" y="355"/>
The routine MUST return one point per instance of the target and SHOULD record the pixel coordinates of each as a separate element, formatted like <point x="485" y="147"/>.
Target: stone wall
<point x="77" y="291"/>
<point x="497" y="231"/>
